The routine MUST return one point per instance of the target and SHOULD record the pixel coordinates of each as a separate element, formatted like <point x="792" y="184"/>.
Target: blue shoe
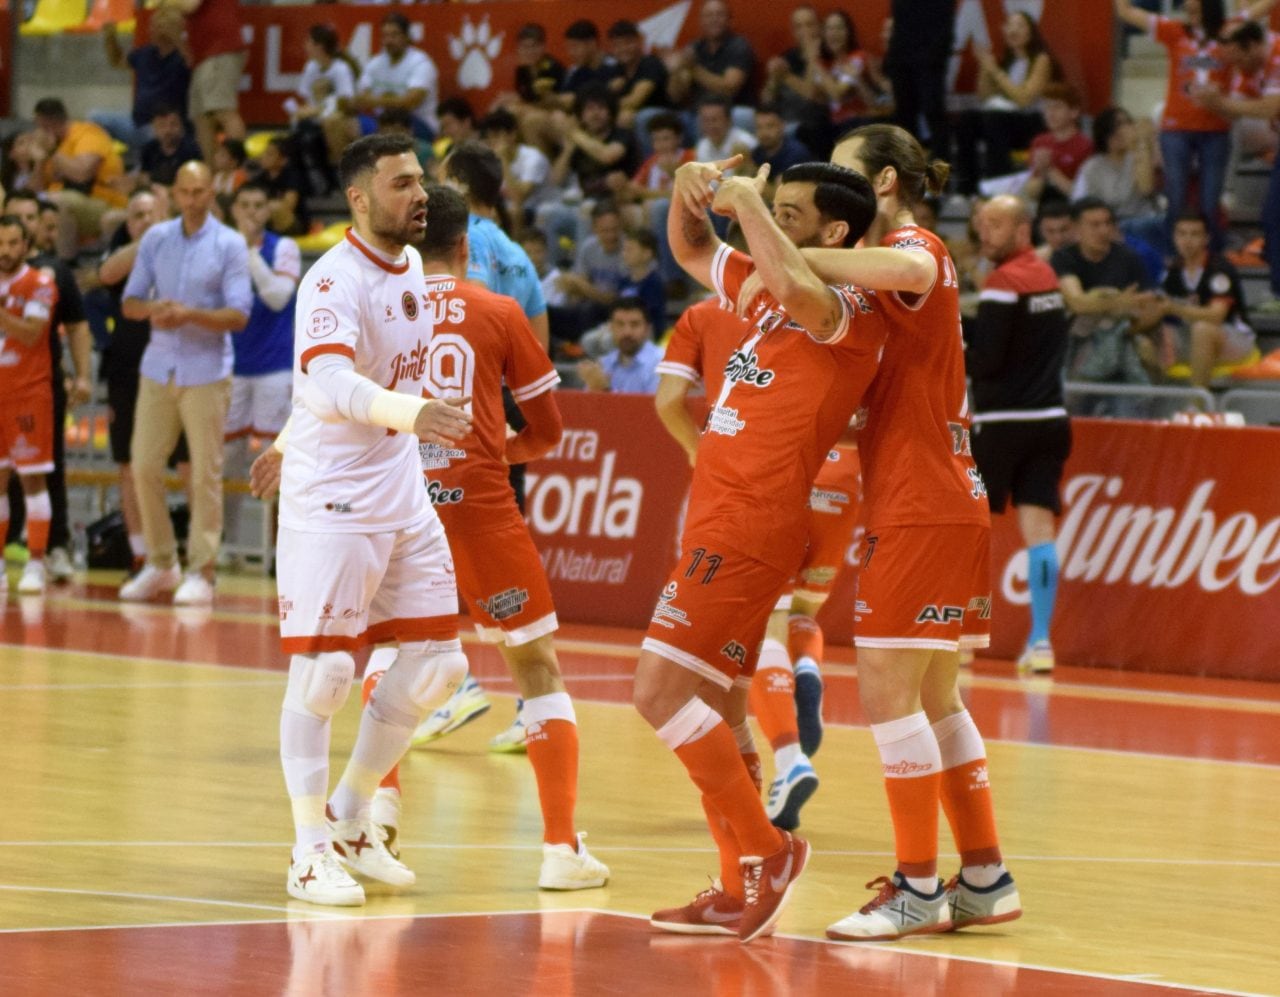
<point x="809" y="708"/>
<point x="789" y="792"/>
<point x="465" y="705"/>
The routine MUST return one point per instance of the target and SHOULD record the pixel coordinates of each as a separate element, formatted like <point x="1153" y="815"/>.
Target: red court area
<point x="551" y="954"/>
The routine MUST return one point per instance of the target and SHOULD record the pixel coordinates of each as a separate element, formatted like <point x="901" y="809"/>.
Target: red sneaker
<point x="712" y="912"/>
<point x="767" y="883"/>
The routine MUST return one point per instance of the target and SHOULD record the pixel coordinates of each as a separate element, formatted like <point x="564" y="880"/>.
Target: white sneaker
<point x="461" y="708"/>
<point x="897" y="911"/>
<point x="32" y="580"/>
<point x="360" y="846"/>
<point x="515" y="738"/>
<point x="385" y="815"/>
<point x="566" y="868"/>
<point x="1037" y="658"/>
<point x="59" y="564"/>
<point x="195" y="590"/>
<point x="149" y="583"/>
<point x="320" y="879"/>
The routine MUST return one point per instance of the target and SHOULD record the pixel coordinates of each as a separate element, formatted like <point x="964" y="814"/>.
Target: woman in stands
<point x="321" y="110"/>
<point x="1010" y="89"/>
<point x="1122" y="172"/>
<point x="1191" y="136"/>
<point x="855" y="90"/>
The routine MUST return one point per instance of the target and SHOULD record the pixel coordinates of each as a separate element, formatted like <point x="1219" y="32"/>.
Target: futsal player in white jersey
<point x="362" y="557"/>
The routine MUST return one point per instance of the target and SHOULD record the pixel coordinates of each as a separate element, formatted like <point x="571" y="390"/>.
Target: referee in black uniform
<point x="1021" y="434"/>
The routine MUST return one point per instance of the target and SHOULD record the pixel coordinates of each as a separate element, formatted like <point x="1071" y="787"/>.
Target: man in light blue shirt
<point x="191" y="281"/>
<point x="631" y="366"/>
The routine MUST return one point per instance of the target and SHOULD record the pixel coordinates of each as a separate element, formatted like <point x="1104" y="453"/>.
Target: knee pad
<point x="319" y="683"/>
<point x="418" y="682"/>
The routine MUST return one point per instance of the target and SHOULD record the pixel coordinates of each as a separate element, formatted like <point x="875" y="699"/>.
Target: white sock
<point x="304" y="756"/>
<point x="382" y="741"/>
<point x="137" y="545"/>
<point x="982" y="876"/>
<point x="380" y="659"/>
<point x="806" y="664"/>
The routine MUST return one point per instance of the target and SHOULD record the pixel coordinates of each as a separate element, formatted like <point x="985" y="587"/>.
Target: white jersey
<point x="345" y="477"/>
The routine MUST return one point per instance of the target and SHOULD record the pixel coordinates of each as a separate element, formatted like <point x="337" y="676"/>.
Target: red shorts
<point x="713" y="611"/>
<point x="925" y="587"/>
<point x="26" y="431"/>
<point x="833" y="529"/>
<point x="501" y="581"/>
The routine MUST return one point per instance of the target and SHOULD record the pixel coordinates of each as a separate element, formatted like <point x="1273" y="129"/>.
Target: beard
<point x="402" y="231"/>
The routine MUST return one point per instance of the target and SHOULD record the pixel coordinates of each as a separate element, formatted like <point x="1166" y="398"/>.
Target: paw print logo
<point x="474" y="48"/>
<point x="323" y="284"/>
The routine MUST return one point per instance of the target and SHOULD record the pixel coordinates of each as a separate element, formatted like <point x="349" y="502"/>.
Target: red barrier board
<point x="1169" y="543"/>
<point x="473" y="45"/>
<point x="605" y="508"/>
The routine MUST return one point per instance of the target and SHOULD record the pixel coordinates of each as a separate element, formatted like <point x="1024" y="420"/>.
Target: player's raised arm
<point x="880" y="268"/>
<point x="693" y="241"/>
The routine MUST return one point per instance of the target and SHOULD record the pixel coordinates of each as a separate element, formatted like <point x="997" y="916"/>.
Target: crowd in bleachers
<point x="592" y="128"/>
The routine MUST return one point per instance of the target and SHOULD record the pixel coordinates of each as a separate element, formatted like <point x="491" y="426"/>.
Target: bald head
<point x="1004" y="226"/>
<point x="193" y="194"/>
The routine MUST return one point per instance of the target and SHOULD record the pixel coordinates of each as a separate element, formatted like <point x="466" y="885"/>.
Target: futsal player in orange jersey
<point x="481" y="341"/>
<point x="924" y="586"/>
<point x="790" y="386"/>
<point x="27" y="297"/>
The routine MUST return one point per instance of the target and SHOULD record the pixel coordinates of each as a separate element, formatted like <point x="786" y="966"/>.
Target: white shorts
<point x="343" y="591"/>
<point x="260" y="405"/>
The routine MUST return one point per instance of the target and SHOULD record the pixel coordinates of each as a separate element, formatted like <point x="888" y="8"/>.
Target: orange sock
<point x="773" y="696"/>
<point x="37" y="537"/>
<point x="392" y="779"/>
<point x="804" y="638"/>
<point x="716" y="767"/>
<point x="553" y="751"/>
<point x="966" y="800"/>
<point x="727" y="847"/>
<point x="912" y="768"/>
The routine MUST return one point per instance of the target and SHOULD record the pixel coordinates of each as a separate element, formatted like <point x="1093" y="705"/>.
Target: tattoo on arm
<point x="695" y="228"/>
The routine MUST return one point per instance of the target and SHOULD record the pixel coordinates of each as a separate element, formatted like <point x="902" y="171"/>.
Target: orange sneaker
<point x="767" y="883"/>
<point x="712" y="912"/>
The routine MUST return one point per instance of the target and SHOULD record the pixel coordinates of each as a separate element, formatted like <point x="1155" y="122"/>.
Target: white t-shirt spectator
<point x="737" y="140"/>
<point x="414" y="71"/>
<point x="342" y="81"/>
<point x="532" y="166"/>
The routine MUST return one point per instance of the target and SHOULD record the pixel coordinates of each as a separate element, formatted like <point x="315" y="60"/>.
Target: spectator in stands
<point x="399" y="76"/>
<point x="1194" y="141"/>
<point x="228" y="168"/>
<point x="525" y="168"/>
<point x="122" y="357"/>
<point x="640" y="257"/>
<point x="262" y="376"/>
<point x="1010" y="89"/>
<point x="286" y="187"/>
<point x="718" y="136"/>
<point x="217" y="62"/>
<point x="457" y="124"/>
<point x="323" y="124"/>
<point x="1257" y="99"/>
<point x="1122" y="172"/>
<point x="66" y="322"/>
<point x="1204" y="306"/>
<point x="539" y="76"/>
<point x="171" y="146"/>
<point x="641" y="82"/>
<point x="719" y="63"/>
<point x="1055" y="228"/>
<point x="789" y="82"/>
<point x="599" y="271"/>
<point x="632" y="364"/>
<point x="1252" y="52"/>
<point x="534" y="243"/>
<point x="161" y="75"/>
<point x="919" y="49"/>
<point x="646" y="197"/>
<point x="75" y="163"/>
<point x="592" y="148"/>
<point x="1058" y="153"/>
<point x="399" y="121"/>
<point x="590" y="69"/>
<point x="186" y="379"/>
<point x="845" y="77"/>
<point x="774" y="146"/>
<point x="1109" y="293"/>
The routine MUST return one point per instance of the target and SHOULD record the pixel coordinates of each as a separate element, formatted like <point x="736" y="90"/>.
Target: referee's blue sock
<point x="1042" y="580"/>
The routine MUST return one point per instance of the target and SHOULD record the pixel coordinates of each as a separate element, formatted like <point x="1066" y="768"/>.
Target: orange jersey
<point x="481" y="341"/>
<point x="1193" y="61"/>
<point x="913" y="431"/>
<point x="783" y="401"/>
<point x="28" y="294"/>
<point x="1266" y="81"/>
<point x="701" y="343"/>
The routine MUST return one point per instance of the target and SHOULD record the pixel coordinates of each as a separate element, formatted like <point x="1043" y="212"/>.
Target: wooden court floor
<point x="147" y="833"/>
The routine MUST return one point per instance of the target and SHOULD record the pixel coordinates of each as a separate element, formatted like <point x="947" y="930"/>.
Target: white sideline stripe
<point x="73" y="686"/>
<point x="1169" y="698"/>
<point x="656" y="850"/>
<point x="297" y="915"/>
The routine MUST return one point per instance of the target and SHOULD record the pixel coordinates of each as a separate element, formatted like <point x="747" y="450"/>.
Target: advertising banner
<point x="473" y="45"/>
